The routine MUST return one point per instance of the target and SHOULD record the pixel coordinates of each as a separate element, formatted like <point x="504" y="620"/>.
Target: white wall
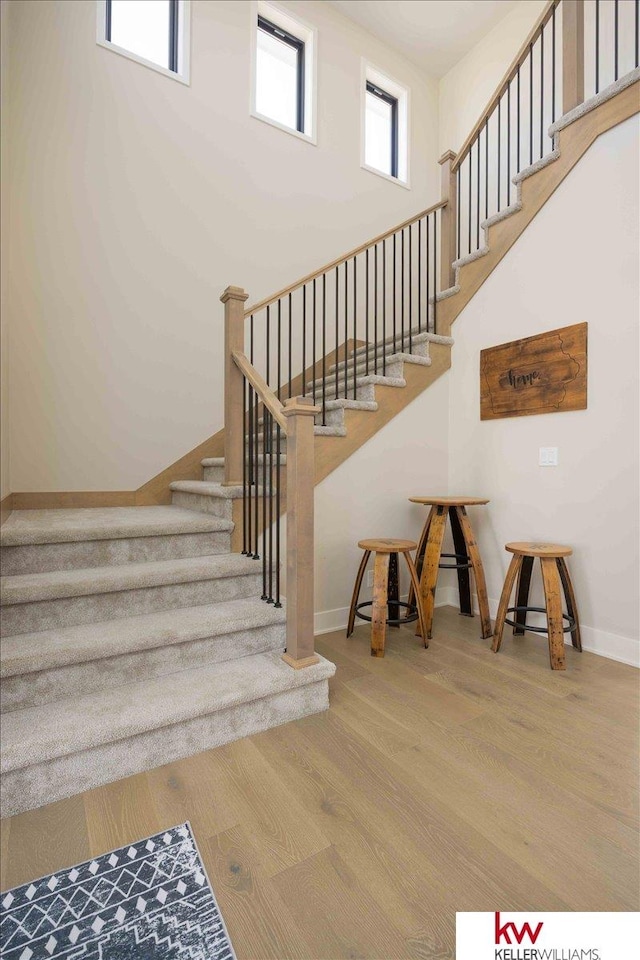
<point x="368" y="496"/>
<point x="5" y="487"/>
<point x="577" y="261"/>
<point x="136" y="200"/>
<point x="467" y="88"/>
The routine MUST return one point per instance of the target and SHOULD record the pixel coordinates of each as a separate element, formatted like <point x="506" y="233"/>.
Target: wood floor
<point x="440" y="780"/>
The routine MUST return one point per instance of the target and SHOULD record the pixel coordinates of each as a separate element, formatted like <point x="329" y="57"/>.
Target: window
<point x="152" y="32"/>
<point x="381" y="131"/>
<point x="283" y="71"/>
<point x="384" y="126"/>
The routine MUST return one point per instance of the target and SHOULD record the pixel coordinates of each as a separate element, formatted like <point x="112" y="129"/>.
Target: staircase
<point x="133" y="637"/>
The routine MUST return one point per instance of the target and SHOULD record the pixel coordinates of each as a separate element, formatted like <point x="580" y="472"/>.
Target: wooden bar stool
<point x="385" y="591"/>
<point x="555" y="575"/>
<point x="466" y="557"/>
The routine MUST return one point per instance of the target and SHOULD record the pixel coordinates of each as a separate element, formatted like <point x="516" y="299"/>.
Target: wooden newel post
<point x="233" y="299"/>
<point x="300" y="494"/>
<point x="448" y="221"/>
<point x="572" y="54"/>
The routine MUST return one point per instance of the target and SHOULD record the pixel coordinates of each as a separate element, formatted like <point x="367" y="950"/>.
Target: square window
<point x="152" y="32"/>
<point x="283" y="65"/>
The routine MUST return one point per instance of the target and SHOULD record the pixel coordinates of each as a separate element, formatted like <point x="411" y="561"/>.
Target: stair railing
<point x="572" y="42"/>
<point x="257" y="425"/>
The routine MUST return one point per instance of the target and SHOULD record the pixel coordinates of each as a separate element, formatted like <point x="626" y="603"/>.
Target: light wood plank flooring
<point x="440" y="780"/>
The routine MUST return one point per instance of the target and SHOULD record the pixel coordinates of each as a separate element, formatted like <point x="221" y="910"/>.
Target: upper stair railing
<point x="313" y="346"/>
<point x="574" y="46"/>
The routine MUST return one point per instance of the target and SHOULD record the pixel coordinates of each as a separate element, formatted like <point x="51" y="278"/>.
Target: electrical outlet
<point x="548" y="457"/>
<point x="370" y="578"/>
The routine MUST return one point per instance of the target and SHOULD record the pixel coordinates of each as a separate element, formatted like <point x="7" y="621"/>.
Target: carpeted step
<point x="419" y="339"/>
<point x="213" y="468"/>
<point x="35" y="541"/>
<point x="393" y="371"/>
<point x="203" y="496"/>
<point x="59" y="749"/>
<point x="63" y="598"/>
<point x="51" y="665"/>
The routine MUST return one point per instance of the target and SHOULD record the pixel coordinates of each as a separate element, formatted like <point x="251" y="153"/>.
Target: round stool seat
<point x="539" y="549"/>
<point x="449" y="501"/>
<point x="387" y="546"/>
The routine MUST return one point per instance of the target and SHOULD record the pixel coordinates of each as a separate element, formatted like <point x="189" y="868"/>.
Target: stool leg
<point x="551" y="581"/>
<point x="422" y="545"/>
<point x="379" y="611"/>
<point x="429" y="576"/>
<point x="464" y="580"/>
<point x="522" y="595"/>
<point x="356" y="591"/>
<point x="572" y="608"/>
<point x="416" y="589"/>
<point x="509" y="580"/>
<point x="393" y="590"/>
<point x="478" y="572"/>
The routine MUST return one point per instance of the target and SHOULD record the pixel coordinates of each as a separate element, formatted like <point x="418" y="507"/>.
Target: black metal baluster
<point x="410" y="289"/>
<point x="478" y="192"/>
<point x="245" y="473"/>
<point x="252" y="479"/>
<point x="401" y="289"/>
<point x="270" y="494"/>
<point x="541" y="91"/>
<point x="394" y="292"/>
<point x="499" y="150"/>
<point x="435" y="271"/>
<point x="304" y="339"/>
<point x="469" y="197"/>
<point x="509" y="143"/>
<point x="530" y="104"/>
<point x="279" y="363"/>
<point x="427" y="270"/>
<point x="355" y="323"/>
<point x="346" y="334"/>
<point x="486" y="168"/>
<point x="366" y="311"/>
<point x="420" y="276"/>
<point x="267" y="343"/>
<point x="384" y="306"/>
<point x="265" y="427"/>
<point x="313" y="346"/>
<point x="375" y="308"/>
<point x="518" y="123"/>
<point x="553" y="63"/>
<point x="291" y="350"/>
<point x="324" y="350"/>
<point x="458" y="179"/>
<point x="637" y="31"/>
<point x="615" y="38"/>
<point x="337" y="353"/>
<point x="278" y="520"/>
<point x="256" y="477"/>
<point x="598" y="44"/>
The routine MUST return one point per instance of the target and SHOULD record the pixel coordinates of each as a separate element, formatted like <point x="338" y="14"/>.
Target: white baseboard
<point x="603" y="644"/>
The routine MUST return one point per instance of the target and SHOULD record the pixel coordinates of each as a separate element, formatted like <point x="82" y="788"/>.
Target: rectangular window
<point x="280" y="75"/>
<point x="283" y="64"/>
<point x="381" y="131"/>
<point x="385" y="126"/>
<point x="151" y="32"/>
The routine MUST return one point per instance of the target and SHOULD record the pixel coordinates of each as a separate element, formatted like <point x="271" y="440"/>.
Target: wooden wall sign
<point x="542" y="374"/>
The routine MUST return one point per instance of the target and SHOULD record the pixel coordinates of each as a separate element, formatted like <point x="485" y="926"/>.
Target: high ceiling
<point x="434" y="34"/>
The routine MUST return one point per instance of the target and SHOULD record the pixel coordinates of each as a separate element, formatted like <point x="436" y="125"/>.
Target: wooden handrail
<point x="347" y="256"/>
<point x="532" y="36"/>
<point x="261" y="387"/>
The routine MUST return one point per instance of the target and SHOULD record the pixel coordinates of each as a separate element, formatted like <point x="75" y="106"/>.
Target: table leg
<point x="356" y="591"/>
<point x="509" y="581"/>
<point x="379" y="609"/>
<point x="460" y="547"/>
<point x="551" y="582"/>
<point x="572" y="608"/>
<point x="429" y="577"/>
<point x="478" y="571"/>
<point x="522" y="595"/>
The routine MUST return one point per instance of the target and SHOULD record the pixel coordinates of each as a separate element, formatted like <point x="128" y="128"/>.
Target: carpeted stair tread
<point x="56" y="584"/>
<point x="24" y="527"/>
<point x="39" y="734"/>
<point x="205" y="488"/>
<point x="219" y="461"/>
<point x="49" y="649"/>
<point x="417" y="337"/>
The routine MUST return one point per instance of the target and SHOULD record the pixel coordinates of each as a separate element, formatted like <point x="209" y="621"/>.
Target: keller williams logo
<point x="507" y="929"/>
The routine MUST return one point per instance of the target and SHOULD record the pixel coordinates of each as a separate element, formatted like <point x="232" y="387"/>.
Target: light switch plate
<point x="548" y="457"/>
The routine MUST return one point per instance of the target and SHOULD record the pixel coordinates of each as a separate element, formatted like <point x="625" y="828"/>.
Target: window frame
<point x="301" y="32"/>
<point x="179" y="40"/>
<point x="298" y="45"/>
<point x="388" y="98"/>
<point x="394" y="90"/>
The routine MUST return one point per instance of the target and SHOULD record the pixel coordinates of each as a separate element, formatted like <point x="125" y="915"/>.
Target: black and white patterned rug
<point x="149" y="900"/>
